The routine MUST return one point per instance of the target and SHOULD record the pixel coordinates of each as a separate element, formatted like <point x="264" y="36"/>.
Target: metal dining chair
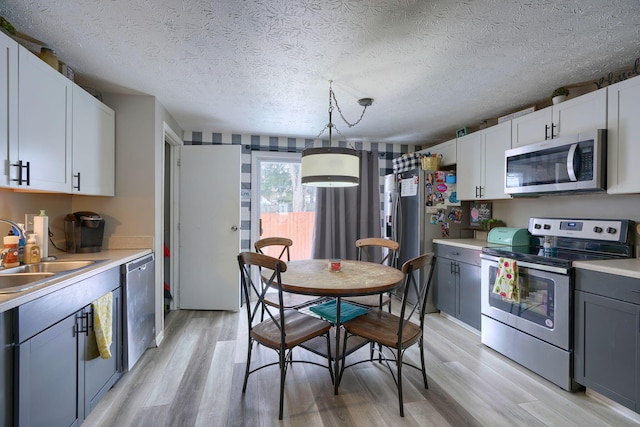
<point x="372" y="249"/>
<point x="396" y="332"/>
<point x="283" y="329"/>
<point x="280" y="246"/>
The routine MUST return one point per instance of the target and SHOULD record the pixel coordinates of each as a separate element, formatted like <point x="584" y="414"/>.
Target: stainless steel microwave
<point x="560" y="165"/>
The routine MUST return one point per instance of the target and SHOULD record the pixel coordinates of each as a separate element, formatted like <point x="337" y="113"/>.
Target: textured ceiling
<point x="263" y="66"/>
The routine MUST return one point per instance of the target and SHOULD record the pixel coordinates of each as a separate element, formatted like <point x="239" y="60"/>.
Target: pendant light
<point x="333" y="166"/>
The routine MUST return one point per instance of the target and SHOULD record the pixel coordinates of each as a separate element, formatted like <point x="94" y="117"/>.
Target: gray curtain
<point x="344" y="215"/>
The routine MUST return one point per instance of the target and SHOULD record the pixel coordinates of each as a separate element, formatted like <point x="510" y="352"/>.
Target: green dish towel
<point x="348" y="311"/>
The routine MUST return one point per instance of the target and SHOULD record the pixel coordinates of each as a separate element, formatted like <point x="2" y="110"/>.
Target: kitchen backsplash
<point x="516" y="212"/>
<point x="13" y="206"/>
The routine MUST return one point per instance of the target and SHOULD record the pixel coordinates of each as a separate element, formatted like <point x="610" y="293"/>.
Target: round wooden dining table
<point x="313" y="277"/>
<point x="355" y="278"/>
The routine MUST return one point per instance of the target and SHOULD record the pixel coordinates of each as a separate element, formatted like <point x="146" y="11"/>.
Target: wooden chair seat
<point x="298" y="328"/>
<point x="382" y="327"/>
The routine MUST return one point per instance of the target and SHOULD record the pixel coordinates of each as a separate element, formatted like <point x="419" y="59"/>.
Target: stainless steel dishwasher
<point x="139" y="308"/>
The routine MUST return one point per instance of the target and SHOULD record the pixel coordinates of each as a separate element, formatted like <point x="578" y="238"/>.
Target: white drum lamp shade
<point x="333" y="166"/>
<point x="330" y="167"/>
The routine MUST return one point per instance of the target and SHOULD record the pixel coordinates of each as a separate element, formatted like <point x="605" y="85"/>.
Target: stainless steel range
<point x="535" y="329"/>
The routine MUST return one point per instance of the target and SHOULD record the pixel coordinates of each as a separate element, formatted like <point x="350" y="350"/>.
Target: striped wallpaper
<point x="249" y="143"/>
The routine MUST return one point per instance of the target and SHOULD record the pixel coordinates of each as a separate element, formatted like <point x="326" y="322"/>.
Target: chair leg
<point x="399" y="362"/>
<point x="246" y="372"/>
<point x="333" y="378"/>
<point x="343" y="356"/>
<point x="282" y="377"/>
<point x="424" y="371"/>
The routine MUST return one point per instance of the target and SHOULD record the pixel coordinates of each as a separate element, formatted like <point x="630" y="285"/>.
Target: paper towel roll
<point x="41" y="230"/>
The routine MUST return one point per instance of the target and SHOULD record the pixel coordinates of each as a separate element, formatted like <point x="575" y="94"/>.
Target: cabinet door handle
<point x="546" y="132"/>
<point x="553" y="126"/>
<point x="82" y="323"/>
<point x="77" y="176"/>
<point x="20" y="167"/>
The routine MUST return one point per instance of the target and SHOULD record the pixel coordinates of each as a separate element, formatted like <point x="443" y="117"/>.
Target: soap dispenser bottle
<point x="32" y="250"/>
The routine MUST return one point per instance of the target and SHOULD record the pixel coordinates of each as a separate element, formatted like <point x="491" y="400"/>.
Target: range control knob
<point x="597" y="229"/>
<point x="537" y="226"/>
<point x="547" y="227"/>
<point x="611" y="230"/>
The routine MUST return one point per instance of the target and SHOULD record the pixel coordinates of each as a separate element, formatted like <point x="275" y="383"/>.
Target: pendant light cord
<point x="330" y="125"/>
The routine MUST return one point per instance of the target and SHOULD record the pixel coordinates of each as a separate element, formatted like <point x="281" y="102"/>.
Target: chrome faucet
<point x="21" y="234"/>
<point x="17" y="227"/>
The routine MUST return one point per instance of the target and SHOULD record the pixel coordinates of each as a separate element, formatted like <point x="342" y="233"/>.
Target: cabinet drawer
<point x="469" y="256"/>
<point x="41" y="313"/>
<point x="610" y="285"/>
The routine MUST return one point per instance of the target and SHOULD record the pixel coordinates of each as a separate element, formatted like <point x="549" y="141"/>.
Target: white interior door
<point x="209" y="227"/>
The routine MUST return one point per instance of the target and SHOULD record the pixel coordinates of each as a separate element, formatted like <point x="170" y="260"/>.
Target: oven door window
<point x="537" y="296"/>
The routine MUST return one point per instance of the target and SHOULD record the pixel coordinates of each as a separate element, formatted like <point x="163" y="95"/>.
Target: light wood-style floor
<point x="195" y="379"/>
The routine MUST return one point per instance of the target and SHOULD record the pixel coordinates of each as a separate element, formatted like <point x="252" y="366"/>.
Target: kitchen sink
<point x="48" y="267"/>
<point x="18" y="282"/>
<point x="23" y="277"/>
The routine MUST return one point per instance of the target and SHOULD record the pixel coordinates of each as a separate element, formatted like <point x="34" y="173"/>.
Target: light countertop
<point x="113" y="258"/>
<point x="463" y="243"/>
<point x="629" y="267"/>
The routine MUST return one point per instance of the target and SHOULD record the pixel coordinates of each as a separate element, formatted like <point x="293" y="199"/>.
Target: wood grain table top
<point x="313" y="277"/>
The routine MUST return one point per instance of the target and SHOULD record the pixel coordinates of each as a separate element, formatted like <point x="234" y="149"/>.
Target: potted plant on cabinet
<point x="559" y="95"/>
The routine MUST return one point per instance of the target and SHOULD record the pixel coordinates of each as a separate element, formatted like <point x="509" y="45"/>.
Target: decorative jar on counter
<point x="49" y="56"/>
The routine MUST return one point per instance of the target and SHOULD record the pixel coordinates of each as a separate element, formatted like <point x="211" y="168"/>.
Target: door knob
<point x="234" y="228"/>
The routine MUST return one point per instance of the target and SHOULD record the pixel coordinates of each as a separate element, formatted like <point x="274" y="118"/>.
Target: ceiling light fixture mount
<point x="333" y="166"/>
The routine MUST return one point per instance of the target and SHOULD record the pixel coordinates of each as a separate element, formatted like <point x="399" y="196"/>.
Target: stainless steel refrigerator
<point x="420" y="206"/>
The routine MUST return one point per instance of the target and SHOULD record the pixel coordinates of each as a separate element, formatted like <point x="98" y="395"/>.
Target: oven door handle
<point x="570" y="162"/>
<point x="533" y="266"/>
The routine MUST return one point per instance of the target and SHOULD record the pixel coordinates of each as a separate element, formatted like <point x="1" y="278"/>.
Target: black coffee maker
<point x="83" y="232"/>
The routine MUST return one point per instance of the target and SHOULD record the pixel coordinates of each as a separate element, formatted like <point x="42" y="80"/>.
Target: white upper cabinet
<point x="623" y="137"/>
<point x="54" y="136"/>
<point x="496" y="140"/>
<point x="8" y="104"/>
<point x="44" y="125"/>
<point x="480" y="169"/>
<point x="532" y="127"/>
<point x="579" y="114"/>
<point x="447" y="150"/>
<point x="469" y="168"/>
<point x="93" y="141"/>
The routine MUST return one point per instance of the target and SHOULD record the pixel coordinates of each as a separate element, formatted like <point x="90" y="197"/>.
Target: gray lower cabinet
<point x="6" y="367"/>
<point x="607" y="336"/>
<point x="457" y="283"/>
<point x="59" y="375"/>
<point x="47" y="380"/>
